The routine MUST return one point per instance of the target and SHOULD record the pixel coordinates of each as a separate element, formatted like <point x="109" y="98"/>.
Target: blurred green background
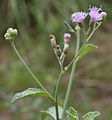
<point x="35" y="20"/>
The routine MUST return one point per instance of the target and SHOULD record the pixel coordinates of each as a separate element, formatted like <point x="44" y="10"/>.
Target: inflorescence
<point x="95" y="15"/>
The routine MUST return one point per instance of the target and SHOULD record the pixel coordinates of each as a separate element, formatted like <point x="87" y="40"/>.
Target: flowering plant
<point x="57" y="112"/>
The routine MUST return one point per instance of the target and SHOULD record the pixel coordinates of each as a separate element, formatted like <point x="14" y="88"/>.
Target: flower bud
<point x="65" y="49"/>
<point x="77" y="28"/>
<point x="104" y="14"/>
<point x="58" y="50"/>
<point x="11" y="34"/>
<point x="53" y="40"/>
<point x="67" y="37"/>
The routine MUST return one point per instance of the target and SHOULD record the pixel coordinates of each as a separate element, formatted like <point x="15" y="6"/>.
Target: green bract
<point x="11" y="34"/>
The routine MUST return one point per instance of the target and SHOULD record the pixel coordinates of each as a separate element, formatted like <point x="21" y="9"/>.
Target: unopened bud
<point x="104" y="14"/>
<point x="67" y="37"/>
<point x="53" y="40"/>
<point x="11" y="34"/>
<point x="58" y="50"/>
<point x="77" y="28"/>
<point x="65" y="49"/>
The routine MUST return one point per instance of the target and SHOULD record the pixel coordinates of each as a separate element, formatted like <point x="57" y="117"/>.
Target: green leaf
<point x="69" y="27"/>
<point x="43" y="115"/>
<point x="91" y="115"/>
<point x="31" y="92"/>
<point x="88" y="48"/>
<point x="52" y="112"/>
<point x="72" y="114"/>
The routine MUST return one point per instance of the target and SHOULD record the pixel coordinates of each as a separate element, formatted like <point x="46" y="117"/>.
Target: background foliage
<point x="35" y="20"/>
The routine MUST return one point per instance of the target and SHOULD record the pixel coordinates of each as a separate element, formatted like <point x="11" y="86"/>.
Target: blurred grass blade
<point x="69" y="27"/>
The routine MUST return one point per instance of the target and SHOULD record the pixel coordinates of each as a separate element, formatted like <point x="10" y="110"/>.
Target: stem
<point x="75" y="58"/>
<point x="71" y="76"/>
<point x="60" y="60"/>
<point x="56" y="93"/>
<point x="35" y="78"/>
<point x="58" y="84"/>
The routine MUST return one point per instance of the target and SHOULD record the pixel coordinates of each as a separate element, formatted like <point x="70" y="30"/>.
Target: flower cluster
<point x="95" y="15"/>
<point x="78" y="17"/>
<point x="56" y="47"/>
<point x="11" y="34"/>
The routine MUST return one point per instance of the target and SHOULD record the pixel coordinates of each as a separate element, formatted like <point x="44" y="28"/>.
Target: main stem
<point x="35" y="78"/>
<point x="56" y="94"/>
<point x="57" y="88"/>
<point x="71" y="76"/>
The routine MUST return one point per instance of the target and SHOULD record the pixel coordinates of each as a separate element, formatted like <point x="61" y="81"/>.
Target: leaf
<point x="88" y="48"/>
<point x="69" y="27"/>
<point x="91" y="115"/>
<point x="31" y="92"/>
<point x="52" y="112"/>
<point x="72" y="114"/>
<point x="43" y="115"/>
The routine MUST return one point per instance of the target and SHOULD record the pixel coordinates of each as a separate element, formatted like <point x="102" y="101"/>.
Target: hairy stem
<point x="35" y="78"/>
<point x="71" y="77"/>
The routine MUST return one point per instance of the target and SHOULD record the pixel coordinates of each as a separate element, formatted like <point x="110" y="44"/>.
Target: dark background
<point x="35" y="20"/>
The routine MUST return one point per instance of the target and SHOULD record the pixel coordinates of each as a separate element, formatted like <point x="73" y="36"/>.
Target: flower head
<point x="52" y="40"/>
<point x="95" y="9"/>
<point x="58" y="50"/>
<point x="10" y="34"/>
<point x="67" y="37"/>
<point x="95" y="14"/>
<point x="78" y="17"/>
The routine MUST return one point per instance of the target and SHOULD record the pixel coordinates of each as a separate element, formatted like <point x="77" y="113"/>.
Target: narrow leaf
<point x="88" y="48"/>
<point x="91" y="115"/>
<point x="31" y="92"/>
<point x="69" y="27"/>
<point x="52" y="112"/>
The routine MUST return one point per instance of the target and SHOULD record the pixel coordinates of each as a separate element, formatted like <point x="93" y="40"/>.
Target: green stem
<point x="35" y="78"/>
<point x="57" y="86"/>
<point x="75" y="58"/>
<point x="56" y="93"/>
<point x="71" y="76"/>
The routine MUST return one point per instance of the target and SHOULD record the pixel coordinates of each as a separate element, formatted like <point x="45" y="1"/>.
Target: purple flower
<point x="67" y="37"/>
<point x="95" y="14"/>
<point x="95" y="9"/>
<point x="78" y="17"/>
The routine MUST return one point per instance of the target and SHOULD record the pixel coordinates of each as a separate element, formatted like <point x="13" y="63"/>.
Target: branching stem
<point x="71" y="76"/>
<point x="35" y="78"/>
